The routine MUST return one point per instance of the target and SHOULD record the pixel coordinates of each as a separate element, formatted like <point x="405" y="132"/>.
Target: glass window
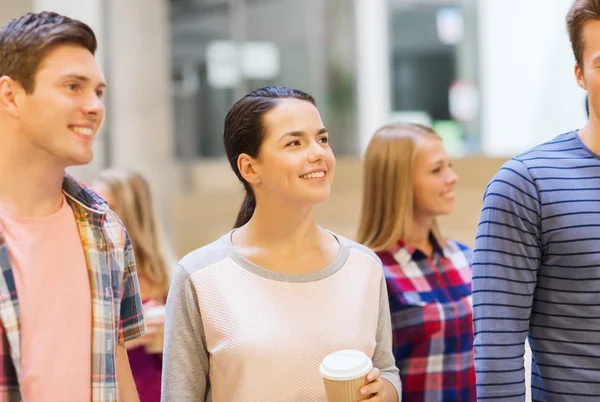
<point x="434" y="75"/>
<point x="224" y="48"/>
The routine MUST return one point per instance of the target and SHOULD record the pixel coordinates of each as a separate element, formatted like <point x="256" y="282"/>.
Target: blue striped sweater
<point x="536" y="275"/>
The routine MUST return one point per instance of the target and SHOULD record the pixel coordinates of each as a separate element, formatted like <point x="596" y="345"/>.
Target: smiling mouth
<point x="313" y="175"/>
<point x="87" y="132"/>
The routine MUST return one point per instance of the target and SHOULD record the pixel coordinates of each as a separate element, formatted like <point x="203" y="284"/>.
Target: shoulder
<point x="357" y="247"/>
<point x="364" y="263"/>
<point x="459" y="253"/>
<point x="518" y="167"/>
<point x="513" y="181"/>
<point x="204" y="256"/>
<point x="561" y="143"/>
<point x="115" y="232"/>
<point x="458" y="246"/>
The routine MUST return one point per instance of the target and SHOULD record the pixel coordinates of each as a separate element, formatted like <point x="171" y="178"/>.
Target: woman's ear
<point x="248" y="168"/>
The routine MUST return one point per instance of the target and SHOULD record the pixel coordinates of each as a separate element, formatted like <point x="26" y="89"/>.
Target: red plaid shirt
<point x="430" y="304"/>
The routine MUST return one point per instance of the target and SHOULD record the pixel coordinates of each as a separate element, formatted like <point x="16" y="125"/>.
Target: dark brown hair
<point x="244" y="133"/>
<point x="25" y="41"/>
<point x="581" y="12"/>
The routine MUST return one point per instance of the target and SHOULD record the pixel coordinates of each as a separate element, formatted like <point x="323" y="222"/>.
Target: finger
<point x="373" y="398"/>
<point x="373" y="388"/>
<point x="373" y="375"/>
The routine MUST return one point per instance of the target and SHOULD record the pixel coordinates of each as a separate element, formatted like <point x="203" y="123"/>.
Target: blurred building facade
<point x="482" y="72"/>
<point x="494" y="77"/>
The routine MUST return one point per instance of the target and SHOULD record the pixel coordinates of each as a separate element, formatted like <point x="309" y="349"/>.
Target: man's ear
<point x="248" y="168"/>
<point x="10" y="94"/>
<point x="579" y="77"/>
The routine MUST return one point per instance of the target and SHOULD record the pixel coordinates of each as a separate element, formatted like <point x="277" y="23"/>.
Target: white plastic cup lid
<point x="346" y="365"/>
<point x="155" y="312"/>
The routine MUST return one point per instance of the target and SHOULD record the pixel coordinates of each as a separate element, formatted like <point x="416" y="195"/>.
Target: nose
<point x="316" y="152"/>
<point x="452" y="176"/>
<point x="93" y="106"/>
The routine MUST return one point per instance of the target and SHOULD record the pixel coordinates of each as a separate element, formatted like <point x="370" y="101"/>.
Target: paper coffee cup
<point x="344" y="374"/>
<point x="154" y="313"/>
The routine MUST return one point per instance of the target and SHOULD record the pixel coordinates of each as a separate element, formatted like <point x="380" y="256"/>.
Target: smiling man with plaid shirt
<point x="69" y="295"/>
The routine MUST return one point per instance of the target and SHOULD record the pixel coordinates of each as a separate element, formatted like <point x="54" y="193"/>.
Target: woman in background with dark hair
<point x="251" y="316"/>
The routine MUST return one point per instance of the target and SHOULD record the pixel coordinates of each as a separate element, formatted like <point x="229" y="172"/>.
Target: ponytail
<point x="246" y="210"/>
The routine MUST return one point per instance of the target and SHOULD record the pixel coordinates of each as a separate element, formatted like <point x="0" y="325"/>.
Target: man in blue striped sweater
<point x="536" y="264"/>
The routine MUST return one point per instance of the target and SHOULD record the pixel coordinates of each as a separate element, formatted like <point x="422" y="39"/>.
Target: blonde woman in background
<point x="128" y="194"/>
<point x="408" y="183"/>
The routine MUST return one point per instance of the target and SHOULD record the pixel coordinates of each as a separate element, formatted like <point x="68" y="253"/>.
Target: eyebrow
<point x="301" y="133"/>
<point x="83" y="78"/>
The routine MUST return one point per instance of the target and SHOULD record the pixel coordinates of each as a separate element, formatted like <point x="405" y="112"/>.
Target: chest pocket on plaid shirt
<point x="414" y="319"/>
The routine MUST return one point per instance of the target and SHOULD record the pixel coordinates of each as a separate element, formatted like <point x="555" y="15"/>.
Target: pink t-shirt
<point x="55" y="302"/>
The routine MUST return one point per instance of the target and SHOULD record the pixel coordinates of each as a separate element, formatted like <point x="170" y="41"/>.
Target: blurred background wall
<point x="493" y="77"/>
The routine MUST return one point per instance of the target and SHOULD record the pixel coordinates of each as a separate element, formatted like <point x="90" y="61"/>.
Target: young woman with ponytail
<point x="251" y="316"/>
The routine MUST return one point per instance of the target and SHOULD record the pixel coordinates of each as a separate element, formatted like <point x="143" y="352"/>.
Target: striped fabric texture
<point x="536" y="275"/>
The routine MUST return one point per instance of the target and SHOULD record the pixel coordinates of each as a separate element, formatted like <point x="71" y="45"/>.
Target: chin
<point x="446" y="211"/>
<point x="80" y="159"/>
<point x="318" y="198"/>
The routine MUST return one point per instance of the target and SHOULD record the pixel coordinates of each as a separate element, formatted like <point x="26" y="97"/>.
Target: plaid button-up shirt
<point x="430" y="304"/>
<point x="116" y="304"/>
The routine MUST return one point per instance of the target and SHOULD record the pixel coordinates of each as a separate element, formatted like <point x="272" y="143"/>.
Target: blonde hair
<point x="132" y="202"/>
<point x="388" y="192"/>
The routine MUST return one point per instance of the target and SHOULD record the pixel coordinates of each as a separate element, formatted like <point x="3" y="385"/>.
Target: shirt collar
<point x="438" y="250"/>
<point x="83" y="195"/>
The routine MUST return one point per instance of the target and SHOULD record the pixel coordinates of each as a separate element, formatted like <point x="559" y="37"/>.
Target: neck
<point x="30" y="184"/>
<point x="418" y="236"/>
<point x="590" y="134"/>
<point x="286" y="227"/>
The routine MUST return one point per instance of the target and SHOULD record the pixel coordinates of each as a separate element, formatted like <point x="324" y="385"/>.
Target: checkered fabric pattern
<point x="430" y="304"/>
<point x="116" y="304"/>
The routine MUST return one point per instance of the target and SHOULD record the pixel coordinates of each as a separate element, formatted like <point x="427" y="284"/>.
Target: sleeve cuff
<point x="132" y="332"/>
